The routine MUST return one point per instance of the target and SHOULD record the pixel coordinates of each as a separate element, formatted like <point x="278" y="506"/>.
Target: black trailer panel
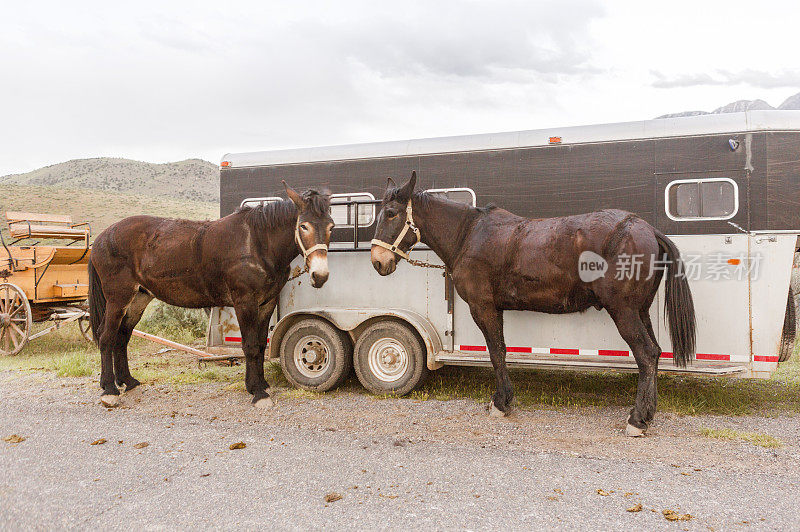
<point x="560" y="180"/>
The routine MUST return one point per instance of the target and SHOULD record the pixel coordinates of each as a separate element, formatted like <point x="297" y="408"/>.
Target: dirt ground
<point x="516" y="466"/>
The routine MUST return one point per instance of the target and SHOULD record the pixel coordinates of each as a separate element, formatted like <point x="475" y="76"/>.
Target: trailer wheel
<point x="789" y="329"/>
<point x="16" y="319"/>
<point x="390" y="358"/>
<point x="315" y="355"/>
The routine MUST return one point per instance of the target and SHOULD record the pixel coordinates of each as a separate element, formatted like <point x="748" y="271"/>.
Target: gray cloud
<point x="499" y="40"/>
<point x="165" y="81"/>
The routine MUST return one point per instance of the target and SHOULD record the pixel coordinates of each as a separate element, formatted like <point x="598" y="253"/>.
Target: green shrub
<point x="175" y="323"/>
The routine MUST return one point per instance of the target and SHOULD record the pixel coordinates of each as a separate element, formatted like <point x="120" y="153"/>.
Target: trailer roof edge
<point x="749" y="121"/>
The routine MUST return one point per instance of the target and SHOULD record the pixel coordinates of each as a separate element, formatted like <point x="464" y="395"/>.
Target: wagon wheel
<point x="86" y="328"/>
<point x="15" y="319"/>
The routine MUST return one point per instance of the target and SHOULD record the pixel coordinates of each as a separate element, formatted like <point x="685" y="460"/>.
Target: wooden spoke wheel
<point x="15" y="319"/>
<point x="86" y="328"/>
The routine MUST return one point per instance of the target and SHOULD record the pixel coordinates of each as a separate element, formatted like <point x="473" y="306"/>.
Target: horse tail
<point x="678" y="303"/>
<point x="97" y="303"/>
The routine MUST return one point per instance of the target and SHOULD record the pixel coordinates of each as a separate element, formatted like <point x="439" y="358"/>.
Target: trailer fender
<point x="350" y="320"/>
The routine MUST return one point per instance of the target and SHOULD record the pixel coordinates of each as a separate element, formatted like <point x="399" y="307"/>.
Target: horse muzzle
<point x="383" y="260"/>
<point x="318" y="268"/>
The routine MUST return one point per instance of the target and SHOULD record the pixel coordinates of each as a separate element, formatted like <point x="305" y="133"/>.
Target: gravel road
<point x="395" y="464"/>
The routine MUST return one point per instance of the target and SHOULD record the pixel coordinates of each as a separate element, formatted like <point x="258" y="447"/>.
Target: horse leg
<point x="490" y="322"/>
<point x="249" y="324"/>
<point x="114" y="314"/>
<point x="134" y="313"/>
<point x="265" y="315"/>
<point x="644" y="314"/>
<point x="645" y="350"/>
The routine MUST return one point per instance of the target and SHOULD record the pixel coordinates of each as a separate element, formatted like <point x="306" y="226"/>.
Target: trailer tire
<point x="315" y="355"/>
<point x="789" y="329"/>
<point x="390" y="358"/>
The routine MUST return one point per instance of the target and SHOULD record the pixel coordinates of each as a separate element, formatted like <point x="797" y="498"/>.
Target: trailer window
<point x="702" y="199"/>
<point x="461" y="195"/>
<point x="257" y="202"/>
<point x="343" y="212"/>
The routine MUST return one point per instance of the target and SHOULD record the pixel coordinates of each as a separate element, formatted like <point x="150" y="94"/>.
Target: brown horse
<point x="241" y="260"/>
<point x="500" y="261"/>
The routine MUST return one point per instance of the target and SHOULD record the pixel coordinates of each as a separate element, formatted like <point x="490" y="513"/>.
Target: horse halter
<point x="312" y="249"/>
<point x="409" y="225"/>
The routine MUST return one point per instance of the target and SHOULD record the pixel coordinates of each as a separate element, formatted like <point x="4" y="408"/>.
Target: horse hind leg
<point x="634" y="330"/>
<point x="490" y="322"/>
<point x="114" y="316"/>
<point x="134" y="313"/>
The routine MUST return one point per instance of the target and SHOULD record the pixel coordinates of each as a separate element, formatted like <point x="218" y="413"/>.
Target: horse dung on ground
<point x="500" y="261"/>
<point x="241" y="260"/>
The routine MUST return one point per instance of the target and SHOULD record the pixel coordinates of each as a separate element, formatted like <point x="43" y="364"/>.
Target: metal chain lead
<point x="423" y="264"/>
<point x="298" y="274"/>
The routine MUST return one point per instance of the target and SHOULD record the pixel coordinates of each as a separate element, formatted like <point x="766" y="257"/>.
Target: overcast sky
<point x="169" y="80"/>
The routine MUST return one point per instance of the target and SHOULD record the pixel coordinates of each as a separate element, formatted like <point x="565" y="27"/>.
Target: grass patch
<point x="754" y="438"/>
<point x="66" y="353"/>
<point x="186" y="373"/>
<point x="299" y="393"/>
<point x="419" y="395"/>
<point x="685" y="395"/>
<point x="79" y="364"/>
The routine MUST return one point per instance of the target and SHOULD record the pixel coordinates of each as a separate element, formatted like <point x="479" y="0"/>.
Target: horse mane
<point x="281" y="213"/>
<point x="424" y="199"/>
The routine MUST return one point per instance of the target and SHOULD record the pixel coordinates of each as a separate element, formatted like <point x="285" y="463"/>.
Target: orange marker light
<point x="555" y="140"/>
<point x="225" y="163"/>
<point x="735" y="262"/>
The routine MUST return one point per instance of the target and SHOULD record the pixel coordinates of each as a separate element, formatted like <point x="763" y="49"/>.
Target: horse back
<point x="534" y="263"/>
<point x="176" y="260"/>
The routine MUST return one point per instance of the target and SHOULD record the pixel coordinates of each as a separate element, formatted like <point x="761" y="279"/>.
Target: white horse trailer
<point x="723" y="187"/>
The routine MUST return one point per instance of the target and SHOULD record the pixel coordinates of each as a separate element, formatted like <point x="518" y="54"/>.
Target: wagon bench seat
<point x="36" y="225"/>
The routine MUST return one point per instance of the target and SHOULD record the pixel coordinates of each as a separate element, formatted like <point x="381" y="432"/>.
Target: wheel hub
<point x="311" y="356"/>
<point x="388" y="359"/>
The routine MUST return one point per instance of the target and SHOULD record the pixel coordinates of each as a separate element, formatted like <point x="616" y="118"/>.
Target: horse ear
<point x="408" y="188"/>
<point x="390" y="183"/>
<point x="294" y="196"/>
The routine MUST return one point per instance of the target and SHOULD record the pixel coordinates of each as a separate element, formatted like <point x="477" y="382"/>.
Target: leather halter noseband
<point x="409" y="225"/>
<point x="312" y="249"/>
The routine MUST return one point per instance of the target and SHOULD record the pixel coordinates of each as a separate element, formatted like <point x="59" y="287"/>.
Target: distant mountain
<point x="740" y="106"/>
<point x="192" y="179"/>
<point x="791" y="103"/>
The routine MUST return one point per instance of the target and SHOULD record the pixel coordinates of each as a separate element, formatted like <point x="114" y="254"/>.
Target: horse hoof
<point x="633" y="432"/>
<point x="264" y="403"/>
<point x="110" y="401"/>
<point x="494" y="411"/>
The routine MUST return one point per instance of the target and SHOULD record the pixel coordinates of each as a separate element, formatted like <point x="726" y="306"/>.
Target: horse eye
<point x="305" y="227"/>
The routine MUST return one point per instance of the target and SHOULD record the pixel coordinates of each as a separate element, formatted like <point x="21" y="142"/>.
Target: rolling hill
<point x="105" y="190"/>
<point x="192" y="179"/>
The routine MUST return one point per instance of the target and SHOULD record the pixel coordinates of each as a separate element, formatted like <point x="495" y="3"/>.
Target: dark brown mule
<point x="500" y="261"/>
<point x="241" y="260"/>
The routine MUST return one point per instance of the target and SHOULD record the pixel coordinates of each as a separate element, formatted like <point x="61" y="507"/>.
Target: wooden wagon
<point x="40" y="278"/>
